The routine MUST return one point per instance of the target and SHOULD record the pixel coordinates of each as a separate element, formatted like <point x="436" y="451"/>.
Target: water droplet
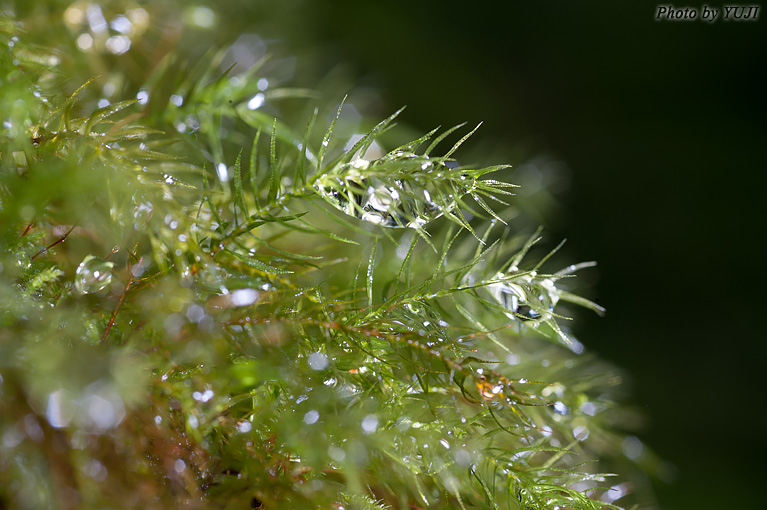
<point x="121" y="24"/>
<point x="173" y="323"/>
<point x="93" y="274"/>
<point x="370" y="423"/>
<point x="95" y="470"/>
<point x="59" y="410"/>
<point x="588" y="408"/>
<point x="580" y="433"/>
<point x="403" y="423"/>
<point x="203" y="396"/>
<point x="243" y="297"/>
<point x="104" y="407"/>
<point x="256" y="102"/>
<point x="33" y="428"/>
<point x="616" y="492"/>
<point x="487" y="390"/>
<point x="244" y="426"/>
<point x="632" y="447"/>
<point x="195" y="313"/>
<point x="560" y="407"/>
<point x="96" y="19"/>
<point x="201" y="16"/>
<point x="525" y="299"/>
<point x="223" y="172"/>
<point x="119" y="44"/>
<point x="317" y="361"/>
<point x="336" y="453"/>
<point x="463" y="458"/>
<point x="311" y="417"/>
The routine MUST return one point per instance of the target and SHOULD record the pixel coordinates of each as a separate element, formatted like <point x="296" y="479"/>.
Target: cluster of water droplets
<point x="98" y="408"/>
<point x="420" y="319"/>
<point x="93" y="274"/>
<point x="527" y="297"/>
<point x="97" y="33"/>
<point x="398" y="202"/>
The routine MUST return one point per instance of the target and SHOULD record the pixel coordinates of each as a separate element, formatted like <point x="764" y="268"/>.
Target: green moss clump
<point x="211" y="298"/>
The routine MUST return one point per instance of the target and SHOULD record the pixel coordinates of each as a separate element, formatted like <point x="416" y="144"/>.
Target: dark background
<point x="662" y="126"/>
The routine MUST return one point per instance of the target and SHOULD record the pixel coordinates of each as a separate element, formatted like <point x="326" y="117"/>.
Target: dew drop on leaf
<point x="525" y="299"/>
<point x="388" y="194"/>
<point x="93" y="274"/>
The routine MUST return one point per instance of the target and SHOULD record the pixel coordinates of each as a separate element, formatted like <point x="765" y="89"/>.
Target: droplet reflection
<point x="370" y="423"/>
<point x="632" y="447"/>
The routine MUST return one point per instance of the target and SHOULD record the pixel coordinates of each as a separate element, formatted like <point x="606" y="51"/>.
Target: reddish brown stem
<point x="54" y="243"/>
<point x="119" y="304"/>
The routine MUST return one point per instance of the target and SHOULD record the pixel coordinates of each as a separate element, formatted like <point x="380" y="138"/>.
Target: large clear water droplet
<point x="525" y="298"/>
<point x="93" y="274"/>
<point x="396" y="203"/>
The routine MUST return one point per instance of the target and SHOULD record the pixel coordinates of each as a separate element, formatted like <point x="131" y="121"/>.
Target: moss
<point x="208" y="299"/>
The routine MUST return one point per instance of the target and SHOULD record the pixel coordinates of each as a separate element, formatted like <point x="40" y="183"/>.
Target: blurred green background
<point x="651" y="137"/>
<point x="655" y="132"/>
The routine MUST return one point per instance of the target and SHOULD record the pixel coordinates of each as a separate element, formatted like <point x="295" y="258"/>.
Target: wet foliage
<point x="211" y="299"/>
